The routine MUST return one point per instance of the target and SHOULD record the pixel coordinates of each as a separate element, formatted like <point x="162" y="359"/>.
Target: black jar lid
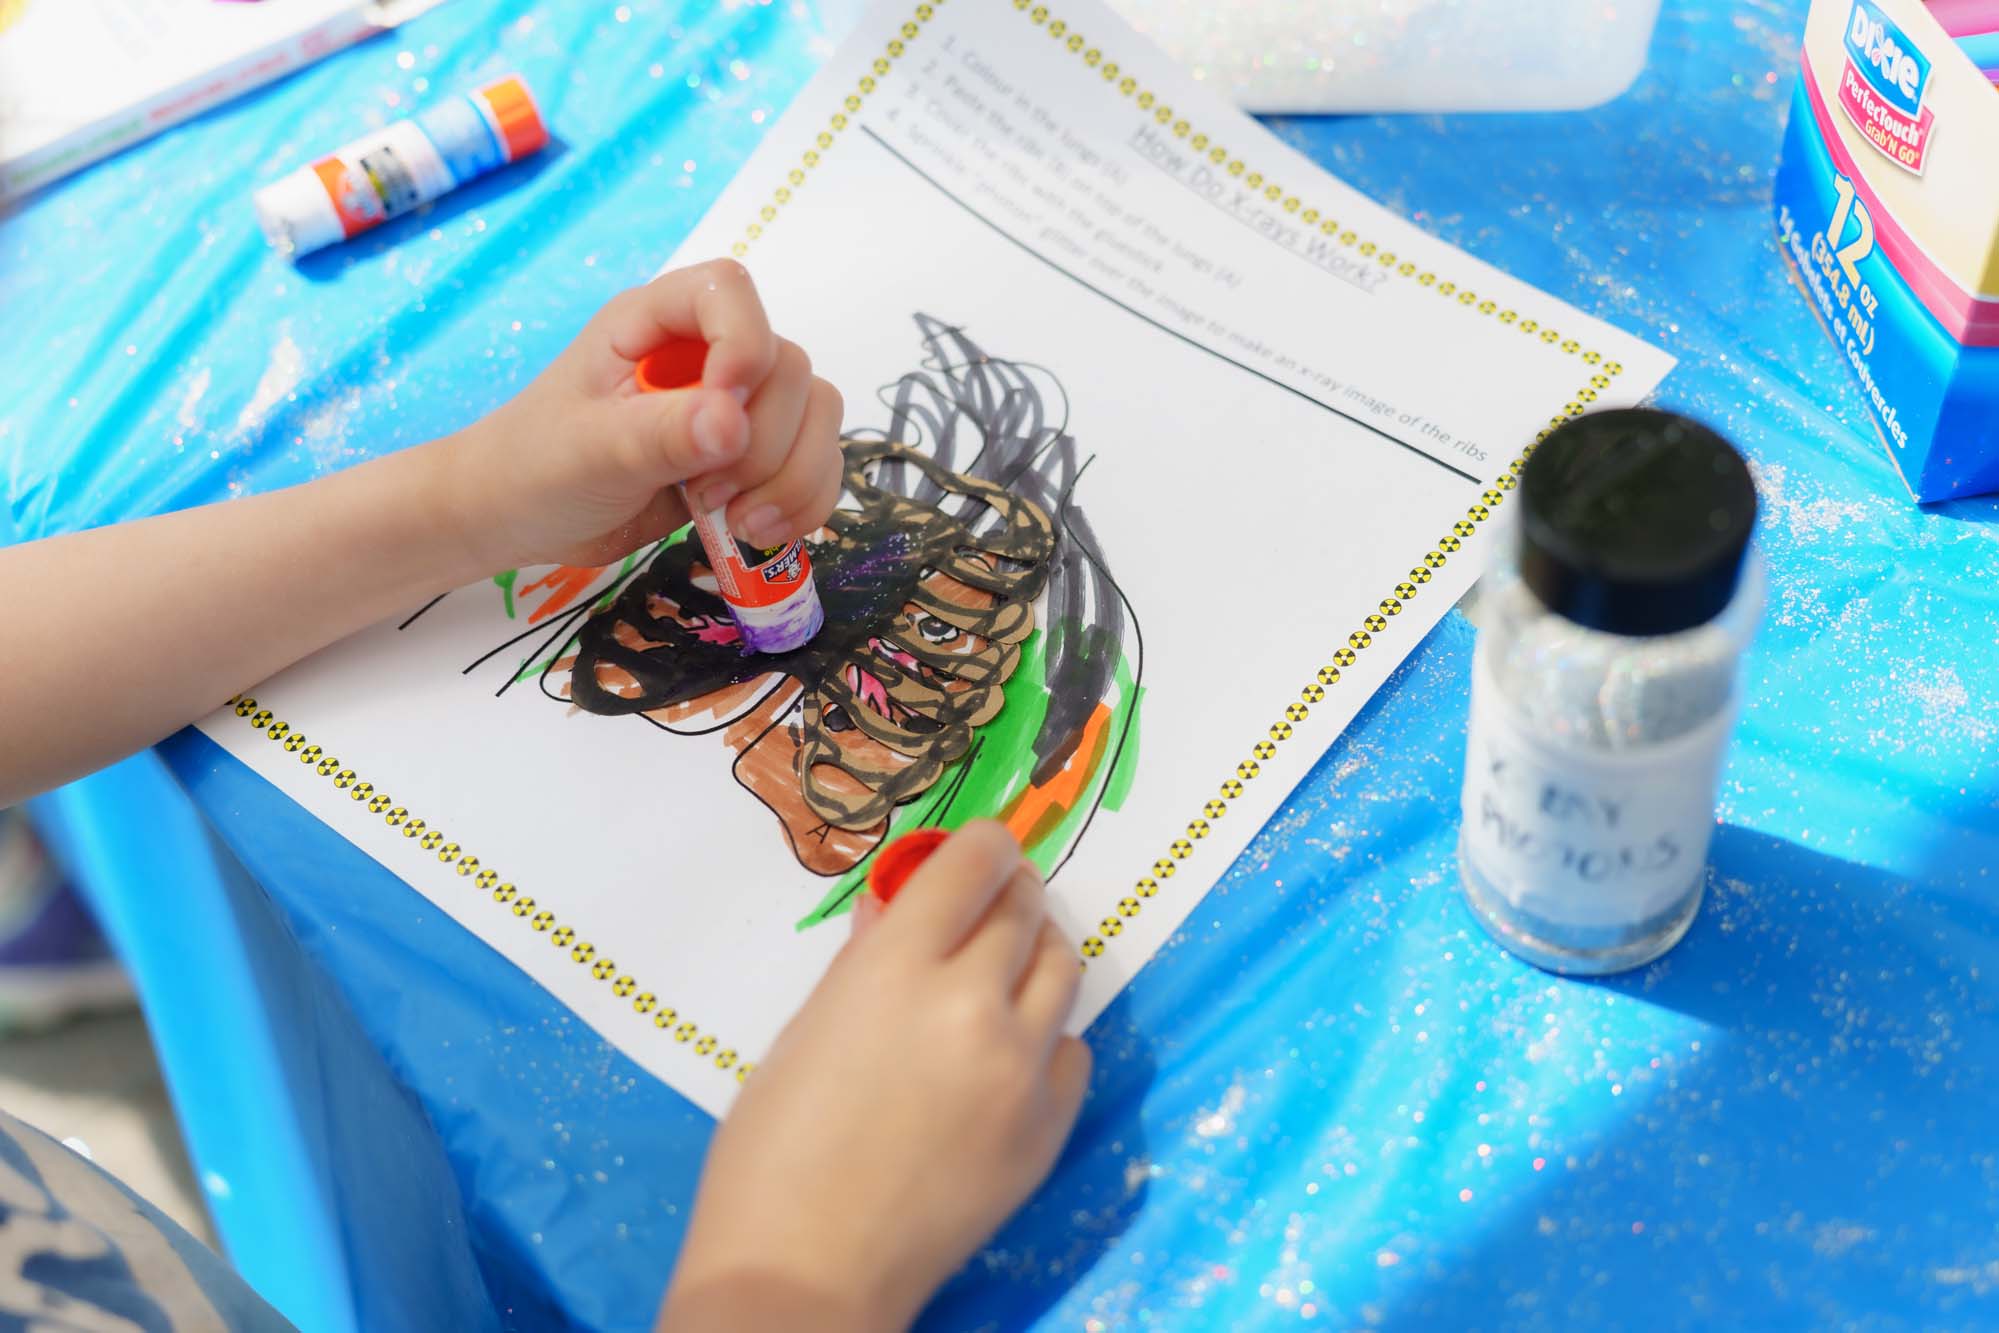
<point x="1635" y="521"/>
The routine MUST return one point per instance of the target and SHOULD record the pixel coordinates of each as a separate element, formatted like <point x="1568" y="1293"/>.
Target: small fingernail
<point x="759" y="526"/>
<point x="716" y="494"/>
<point x="740" y="394"/>
<point x="711" y="442"/>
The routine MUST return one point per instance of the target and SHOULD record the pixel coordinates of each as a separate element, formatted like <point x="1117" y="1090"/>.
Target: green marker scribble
<point x="1000" y="767"/>
<point x="1119" y="784"/>
<point x="506" y="578"/>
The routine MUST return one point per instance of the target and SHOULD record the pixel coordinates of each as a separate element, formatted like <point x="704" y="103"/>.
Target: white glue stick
<point x="401" y="166"/>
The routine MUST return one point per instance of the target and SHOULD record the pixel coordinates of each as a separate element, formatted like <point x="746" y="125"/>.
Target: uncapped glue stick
<point x="401" y="166"/>
<point x="770" y="592"/>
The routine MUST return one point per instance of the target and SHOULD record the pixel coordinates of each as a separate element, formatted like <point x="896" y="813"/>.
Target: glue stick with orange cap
<point x="401" y="166"/>
<point x="770" y="591"/>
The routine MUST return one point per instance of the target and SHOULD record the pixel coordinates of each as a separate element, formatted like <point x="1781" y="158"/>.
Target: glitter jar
<point x="1605" y="688"/>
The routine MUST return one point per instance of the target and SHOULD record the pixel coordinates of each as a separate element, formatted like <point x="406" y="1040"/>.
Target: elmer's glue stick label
<point x="400" y="167"/>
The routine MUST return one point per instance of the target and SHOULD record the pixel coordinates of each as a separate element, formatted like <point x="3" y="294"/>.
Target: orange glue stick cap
<point x="676" y="365"/>
<point x="515" y="117"/>
<point x="895" y="863"/>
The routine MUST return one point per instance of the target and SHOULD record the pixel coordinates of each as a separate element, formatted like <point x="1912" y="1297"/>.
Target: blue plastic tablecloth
<point x="1330" y="1100"/>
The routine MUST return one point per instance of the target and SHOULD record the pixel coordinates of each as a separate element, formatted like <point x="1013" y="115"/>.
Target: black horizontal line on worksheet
<point x="1089" y="286"/>
<point x="1227" y="212"/>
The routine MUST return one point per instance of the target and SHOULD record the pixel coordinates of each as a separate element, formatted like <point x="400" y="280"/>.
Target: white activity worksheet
<point x="1163" y="448"/>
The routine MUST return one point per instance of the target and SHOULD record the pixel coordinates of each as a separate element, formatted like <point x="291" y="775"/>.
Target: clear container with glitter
<point x="1605" y="688"/>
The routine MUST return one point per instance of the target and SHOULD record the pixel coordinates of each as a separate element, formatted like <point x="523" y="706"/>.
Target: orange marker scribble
<point x="565" y="584"/>
<point x="1034" y="813"/>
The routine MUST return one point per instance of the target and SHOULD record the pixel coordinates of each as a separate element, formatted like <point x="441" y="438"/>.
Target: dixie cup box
<point x="1887" y="203"/>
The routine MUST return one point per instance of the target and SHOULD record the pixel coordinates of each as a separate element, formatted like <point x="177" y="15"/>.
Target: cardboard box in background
<point x="1887" y="202"/>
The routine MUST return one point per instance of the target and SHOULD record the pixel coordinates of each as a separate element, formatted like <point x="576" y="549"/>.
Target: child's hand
<point x="577" y="470"/>
<point x="580" y="468"/>
<point x="915" y="1101"/>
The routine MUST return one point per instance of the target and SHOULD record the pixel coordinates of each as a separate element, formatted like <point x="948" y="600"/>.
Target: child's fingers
<point x="1000" y="946"/>
<point x="942" y="901"/>
<point x="862" y="921"/>
<point x="1048" y="988"/>
<point x="1068" y="1079"/>
<point x="867" y="912"/>
<point x="798" y="499"/>
<point x="670" y="437"/>
<point x="774" y="416"/>
<point x="715" y="302"/>
<point x="825" y="497"/>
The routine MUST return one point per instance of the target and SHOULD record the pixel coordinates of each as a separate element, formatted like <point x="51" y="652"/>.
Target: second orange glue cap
<point x="895" y="863"/>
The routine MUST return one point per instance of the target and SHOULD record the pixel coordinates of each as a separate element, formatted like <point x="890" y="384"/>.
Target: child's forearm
<point x="121" y="635"/>
<point x="766" y="1302"/>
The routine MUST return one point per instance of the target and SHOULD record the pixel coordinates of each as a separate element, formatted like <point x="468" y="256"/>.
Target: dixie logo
<point x="1887" y="59"/>
<point x="1881" y="88"/>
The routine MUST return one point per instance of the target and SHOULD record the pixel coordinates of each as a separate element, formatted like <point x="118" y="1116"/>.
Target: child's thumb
<point x="683" y="434"/>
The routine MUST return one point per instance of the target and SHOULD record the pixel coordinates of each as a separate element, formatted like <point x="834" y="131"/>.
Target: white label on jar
<point x="1580" y="837"/>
